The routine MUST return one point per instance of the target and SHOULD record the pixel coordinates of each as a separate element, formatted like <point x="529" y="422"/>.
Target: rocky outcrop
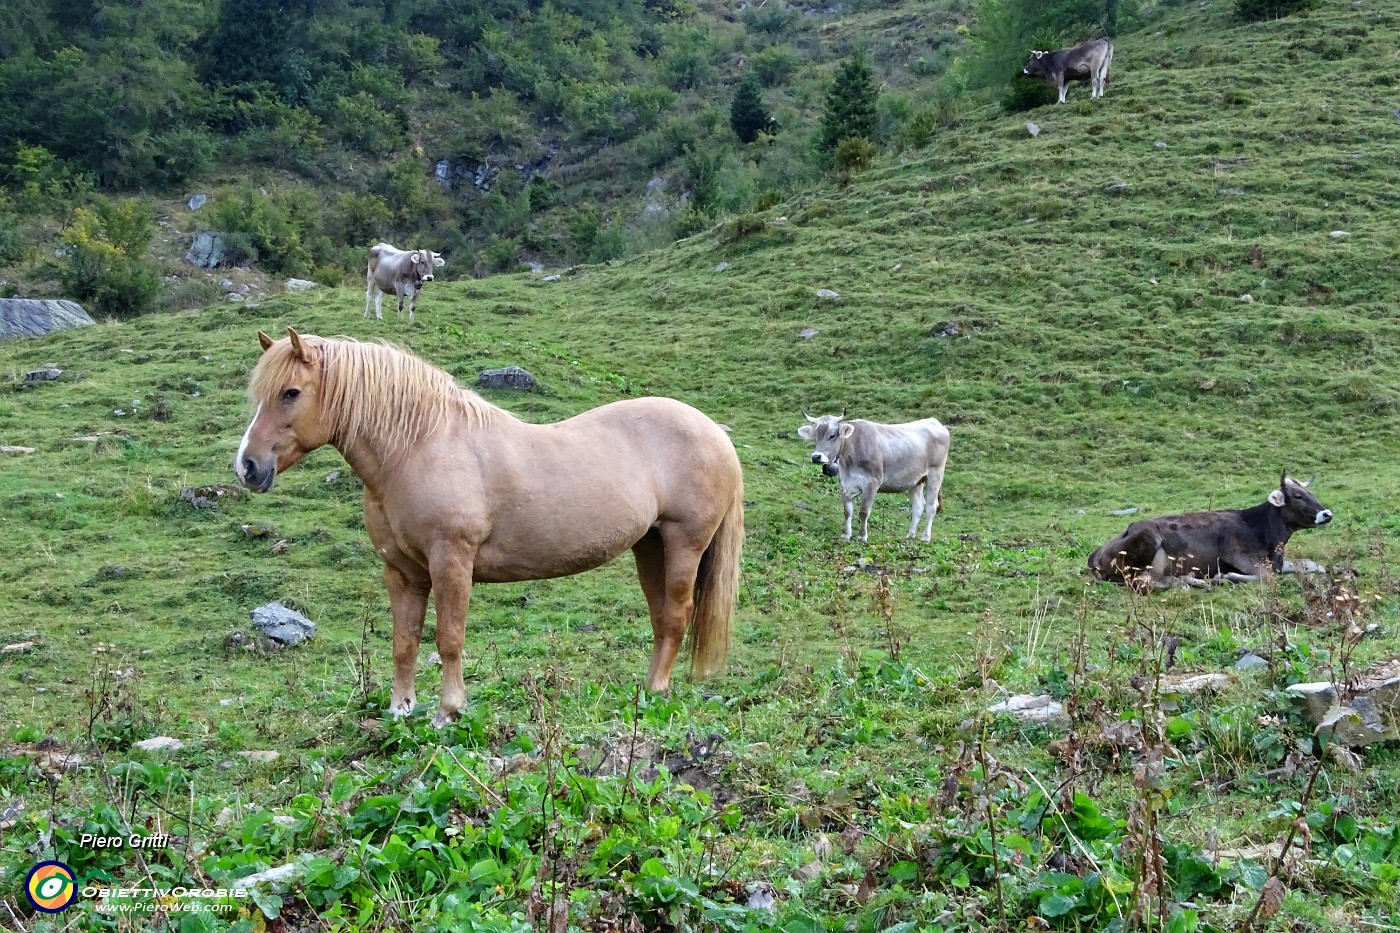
<point x="35" y="317"/>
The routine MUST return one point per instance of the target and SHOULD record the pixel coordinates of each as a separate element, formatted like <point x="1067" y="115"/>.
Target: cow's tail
<point x="717" y="589"/>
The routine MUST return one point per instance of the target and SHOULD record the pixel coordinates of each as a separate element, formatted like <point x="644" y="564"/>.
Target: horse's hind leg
<point x="408" y="602"/>
<point x="667" y="563"/>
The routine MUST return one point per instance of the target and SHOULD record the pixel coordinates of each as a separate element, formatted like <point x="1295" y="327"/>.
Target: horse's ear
<point x="265" y="340"/>
<point x="298" y="347"/>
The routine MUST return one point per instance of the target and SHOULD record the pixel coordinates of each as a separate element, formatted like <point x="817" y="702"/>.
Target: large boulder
<point x="208" y="250"/>
<point x="34" y="317"/>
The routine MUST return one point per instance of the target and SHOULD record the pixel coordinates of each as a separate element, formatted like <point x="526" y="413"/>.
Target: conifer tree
<point x="747" y="116"/>
<point x="850" y="104"/>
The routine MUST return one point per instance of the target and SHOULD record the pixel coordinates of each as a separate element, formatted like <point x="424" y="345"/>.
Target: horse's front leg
<point x="408" y="603"/>
<point x="451" y="571"/>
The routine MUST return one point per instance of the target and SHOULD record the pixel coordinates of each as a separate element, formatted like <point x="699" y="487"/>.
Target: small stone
<point x="551" y="278"/>
<point x="726" y="429"/>
<point x="1033" y="128"/>
<point x="509" y="377"/>
<point x="196" y="202"/>
<point x="160" y="743"/>
<point x="1159" y="144"/>
<point x="1250" y="661"/>
<point x="947" y="329"/>
<point x="1247" y="298"/>
<point x="721" y="267"/>
<point x="284" y="626"/>
<point x="1130" y="510"/>
<point x="762" y="896"/>
<point x="47" y="374"/>
<point x="1191" y="684"/>
<point x="229" y="701"/>
<point x="300" y="285"/>
<point x="434" y="658"/>
<point x="260" y="757"/>
<point x="278" y="879"/>
<point x="807" y="333"/>
<point x="258" y="530"/>
<point x="17" y="647"/>
<point x="1339" y="234"/>
<point x="828" y="294"/>
<point x="1033" y="709"/>
<point x="11" y="449"/>
<point x="282" y="546"/>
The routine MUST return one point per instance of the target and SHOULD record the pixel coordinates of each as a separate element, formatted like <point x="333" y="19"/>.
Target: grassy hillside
<point x="1105" y="356"/>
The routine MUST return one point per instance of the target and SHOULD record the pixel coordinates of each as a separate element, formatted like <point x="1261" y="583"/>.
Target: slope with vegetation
<point x="1144" y="306"/>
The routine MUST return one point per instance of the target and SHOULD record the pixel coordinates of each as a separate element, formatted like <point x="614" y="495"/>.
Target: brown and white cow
<point x="1237" y="545"/>
<point x="400" y="271"/>
<point x="1087" y="62"/>
<point x="870" y="458"/>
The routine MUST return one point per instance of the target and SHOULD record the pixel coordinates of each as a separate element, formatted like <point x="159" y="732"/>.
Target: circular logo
<point x="51" y="887"/>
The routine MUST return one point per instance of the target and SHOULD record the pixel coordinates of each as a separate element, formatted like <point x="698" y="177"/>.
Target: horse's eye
<point x="290" y="394"/>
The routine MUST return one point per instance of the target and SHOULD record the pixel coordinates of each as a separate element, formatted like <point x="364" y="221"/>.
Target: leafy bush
<point x="1254" y="10"/>
<point x="1027" y="93"/>
<point x="101" y="264"/>
<point x="854" y="154"/>
<point x="11" y="240"/>
<point x="271" y="230"/>
<point x="774" y="65"/>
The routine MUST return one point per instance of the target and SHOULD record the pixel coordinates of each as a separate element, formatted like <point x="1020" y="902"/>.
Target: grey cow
<point x="1088" y="62"/>
<point x="871" y="458"/>
<point x="400" y="271"/>
<point x="1236" y="545"/>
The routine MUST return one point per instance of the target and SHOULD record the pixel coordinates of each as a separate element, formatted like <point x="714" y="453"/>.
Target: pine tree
<point x="747" y="116"/>
<point x="252" y="42"/>
<point x="850" y="105"/>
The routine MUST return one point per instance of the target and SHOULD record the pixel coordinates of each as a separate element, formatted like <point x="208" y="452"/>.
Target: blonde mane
<point x="373" y="390"/>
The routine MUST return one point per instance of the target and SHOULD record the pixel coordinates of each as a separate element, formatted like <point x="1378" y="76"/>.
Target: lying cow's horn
<point x="1283" y="483"/>
<point x="1310" y="481"/>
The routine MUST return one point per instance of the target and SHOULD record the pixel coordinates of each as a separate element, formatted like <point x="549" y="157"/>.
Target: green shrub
<point x="1254" y="10"/>
<point x="11" y="239"/>
<point x="774" y="66"/>
<point x="854" y="154"/>
<point x="101" y="261"/>
<point x="270" y="230"/>
<point x="1027" y="93"/>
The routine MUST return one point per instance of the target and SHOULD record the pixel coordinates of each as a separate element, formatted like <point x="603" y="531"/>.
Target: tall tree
<point x="747" y="115"/>
<point x="850" y="104"/>
<point x="253" y="42"/>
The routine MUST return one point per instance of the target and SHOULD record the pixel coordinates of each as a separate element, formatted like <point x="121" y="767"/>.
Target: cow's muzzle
<point x="1324" y="516"/>
<point x="819" y="457"/>
<point x="829" y="469"/>
<point x="428" y="277"/>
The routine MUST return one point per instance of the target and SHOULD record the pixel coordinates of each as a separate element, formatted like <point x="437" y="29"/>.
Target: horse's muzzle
<point x="254" y="477"/>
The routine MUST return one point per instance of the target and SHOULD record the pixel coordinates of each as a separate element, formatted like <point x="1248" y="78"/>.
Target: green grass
<point x="1106" y="360"/>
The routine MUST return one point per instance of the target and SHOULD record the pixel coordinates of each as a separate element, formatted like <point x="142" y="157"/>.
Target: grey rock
<point x="1339" y="234"/>
<point x="807" y="333"/>
<point x="48" y="374"/>
<point x="551" y="278"/>
<point x="1030" y="708"/>
<point x="1032" y="128"/>
<point x="655" y="186"/>
<point x="331" y="477"/>
<point x="208" y="250"/>
<point x="1247" y="298"/>
<point x="1130" y="510"/>
<point x="196" y="202"/>
<point x="226" y="284"/>
<point x="1316" y="699"/>
<point x="1249" y="661"/>
<point x="1191" y="684"/>
<point x="509" y="377"/>
<point x="1160" y="145"/>
<point x="1357" y="724"/>
<point x="442" y="171"/>
<point x="260" y="757"/>
<point x="279" y="879"/>
<point x="721" y="267"/>
<point x="828" y="294"/>
<point x="300" y="285"/>
<point x="284" y="626"/>
<point x="947" y="329"/>
<point x="15" y="449"/>
<point x="35" y="317"/>
<point x="160" y="743"/>
<point x="535" y="267"/>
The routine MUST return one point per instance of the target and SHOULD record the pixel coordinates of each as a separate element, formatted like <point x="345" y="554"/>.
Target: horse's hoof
<point x="442" y="718"/>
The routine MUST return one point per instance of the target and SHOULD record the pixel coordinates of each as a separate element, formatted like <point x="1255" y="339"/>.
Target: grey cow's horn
<point x="810" y="418"/>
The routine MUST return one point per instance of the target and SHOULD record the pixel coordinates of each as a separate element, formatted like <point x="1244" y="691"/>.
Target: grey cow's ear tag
<point x="1276" y="498"/>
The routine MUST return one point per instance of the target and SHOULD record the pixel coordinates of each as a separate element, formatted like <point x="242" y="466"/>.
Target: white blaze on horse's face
<point x="287" y="424"/>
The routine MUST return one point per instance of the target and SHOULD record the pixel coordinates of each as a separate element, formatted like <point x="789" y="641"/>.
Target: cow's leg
<point x="369" y="287"/>
<point x="412" y="302"/>
<point x="1233" y="577"/>
<point x="916" y="505"/>
<point x="1061" y="85"/>
<point x="847" y="503"/>
<point x="398" y="290"/>
<point x="867" y="502"/>
<point x="451" y="567"/>
<point x="378" y="303"/>
<point x="932" y="495"/>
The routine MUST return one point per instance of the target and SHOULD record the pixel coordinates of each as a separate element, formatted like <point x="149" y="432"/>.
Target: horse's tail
<point x="716" y="589"/>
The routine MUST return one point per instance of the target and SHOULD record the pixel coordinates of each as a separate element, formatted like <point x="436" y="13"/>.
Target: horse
<point x="459" y="491"/>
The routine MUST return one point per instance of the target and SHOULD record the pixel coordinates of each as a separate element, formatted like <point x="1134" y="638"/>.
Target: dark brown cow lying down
<point x="1237" y="545"/>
